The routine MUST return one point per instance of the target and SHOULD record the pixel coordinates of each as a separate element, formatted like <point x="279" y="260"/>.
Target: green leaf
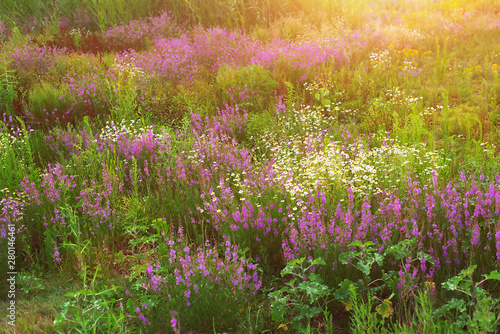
<point x="398" y="251"/>
<point x="290" y="266"/>
<point x="468" y="271"/>
<point x="457" y="304"/>
<point x="311" y="312"/>
<point x="343" y="258"/>
<point x="75" y="294"/>
<point x="318" y="261"/>
<point x="315" y="278"/>
<point x="291" y="282"/>
<point x="326" y="102"/>
<point x="364" y="266"/>
<point x="278" y="308"/>
<point x="311" y="290"/>
<point x="343" y="292"/>
<point x="120" y="258"/>
<point x="452" y="283"/>
<point x="493" y="275"/>
<point x="379" y="258"/>
<point x="356" y="243"/>
<point x="427" y="257"/>
<point x="59" y="318"/>
<point x="64" y="310"/>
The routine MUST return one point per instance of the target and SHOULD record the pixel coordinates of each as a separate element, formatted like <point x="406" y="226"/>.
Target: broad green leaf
<point x="493" y="275"/>
<point x="469" y="270"/>
<point x="307" y="312"/>
<point x="75" y="294"/>
<point x="364" y="267"/>
<point x="315" y="278"/>
<point x="452" y="283"/>
<point x="356" y="243"/>
<point x="379" y="258"/>
<point x="398" y="251"/>
<point x="318" y="261"/>
<point x="312" y="289"/>
<point x="64" y="310"/>
<point x="457" y="304"/>
<point x="59" y="318"/>
<point x="343" y="292"/>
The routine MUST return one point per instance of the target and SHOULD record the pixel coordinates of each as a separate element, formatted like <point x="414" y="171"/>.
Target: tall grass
<point x="94" y="14"/>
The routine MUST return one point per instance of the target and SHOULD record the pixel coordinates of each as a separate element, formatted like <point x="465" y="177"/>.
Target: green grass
<point x="37" y="308"/>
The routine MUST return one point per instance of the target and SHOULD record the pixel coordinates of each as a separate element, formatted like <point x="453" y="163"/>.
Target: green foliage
<point x="91" y="310"/>
<point x="303" y="297"/>
<point x="93" y="14"/>
<point x="364" y="318"/>
<point x="477" y="313"/>
<point x="8" y="92"/>
<point x="12" y="167"/>
<point x="251" y="88"/>
<point x="202" y="288"/>
<point x="122" y="94"/>
<point x="48" y="105"/>
<point x="107" y="13"/>
<point x="365" y="257"/>
<point x="30" y="283"/>
<point x="27" y="152"/>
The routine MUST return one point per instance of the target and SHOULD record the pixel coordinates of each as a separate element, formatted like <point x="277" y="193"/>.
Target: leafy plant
<point x="364" y="319"/>
<point x="91" y="311"/>
<point x="303" y="297"/>
<point x="479" y="311"/>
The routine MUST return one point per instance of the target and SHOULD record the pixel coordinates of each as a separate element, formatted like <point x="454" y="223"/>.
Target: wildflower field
<point x="249" y="166"/>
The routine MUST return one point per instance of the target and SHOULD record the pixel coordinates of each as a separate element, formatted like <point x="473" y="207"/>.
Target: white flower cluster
<point x="432" y="111"/>
<point x="129" y="129"/>
<point x="382" y="60"/>
<point x="5" y="143"/>
<point x="80" y="31"/>
<point x="410" y="68"/>
<point x="398" y="96"/>
<point x="9" y="142"/>
<point x="365" y="170"/>
<point x="126" y="66"/>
